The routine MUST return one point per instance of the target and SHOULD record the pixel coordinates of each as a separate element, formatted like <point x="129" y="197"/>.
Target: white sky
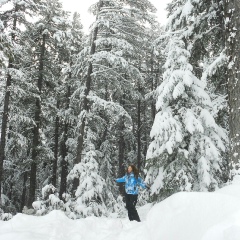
<point x="82" y="6"/>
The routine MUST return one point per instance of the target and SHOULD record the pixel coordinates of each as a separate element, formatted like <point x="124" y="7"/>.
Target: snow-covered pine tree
<point x="109" y="72"/>
<point x="68" y="112"/>
<point x="48" y="34"/>
<point x="210" y="64"/>
<point x="106" y="171"/>
<point x="208" y="58"/>
<point x="14" y="143"/>
<point x="112" y="73"/>
<point x="89" y="194"/>
<point x="232" y="41"/>
<point x="5" y="49"/>
<point x="187" y="143"/>
<point x="49" y="201"/>
<point x="143" y="116"/>
<point x="64" y="42"/>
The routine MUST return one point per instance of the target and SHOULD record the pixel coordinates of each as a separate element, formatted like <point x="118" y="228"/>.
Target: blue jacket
<point x="131" y="183"/>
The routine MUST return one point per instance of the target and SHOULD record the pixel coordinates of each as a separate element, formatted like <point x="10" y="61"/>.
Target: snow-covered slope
<point x="183" y="216"/>
<point x="194" y="216"/>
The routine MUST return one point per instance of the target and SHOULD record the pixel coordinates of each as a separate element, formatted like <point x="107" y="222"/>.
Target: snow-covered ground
<point x="183" y="216"/>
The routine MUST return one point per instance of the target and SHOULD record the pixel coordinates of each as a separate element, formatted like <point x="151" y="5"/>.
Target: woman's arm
<point x="123" y="179"/>
<point x="141" y="183"/>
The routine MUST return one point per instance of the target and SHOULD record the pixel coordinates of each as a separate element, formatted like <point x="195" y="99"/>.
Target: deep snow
<point x="183" y="216"/>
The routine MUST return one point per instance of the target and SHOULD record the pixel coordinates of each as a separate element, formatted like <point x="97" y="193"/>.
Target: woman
<point x="132" y="180"/>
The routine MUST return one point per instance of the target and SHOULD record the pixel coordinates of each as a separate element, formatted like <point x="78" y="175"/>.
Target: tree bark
<point x="85" y="101"/>
<point x="4" y="127"/>
<point x="55" y="160"/>
<point x="233" y="44"/>
<point x="64" y="163"/>
<point x="153" y="104"/>
<point x="6" y="106"/>
<point x="87" y="90"/>
<point x="85" y="107"/>
<point x="11" y="187"/>
<point x="24" y="191"/>
<point x="139" y="134"/>
<point x="36" y="142"/>
<point x="146" y="134"/>
<point x="121" y="146"/>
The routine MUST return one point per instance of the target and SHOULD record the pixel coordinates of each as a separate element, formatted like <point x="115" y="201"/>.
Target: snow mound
<point x="183" y="216"/>
<point x="188" y="216"/>
<point x="57" y="226"/>
<point x="198" y="216"/>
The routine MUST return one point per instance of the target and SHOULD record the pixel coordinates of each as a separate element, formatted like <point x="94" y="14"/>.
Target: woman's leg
<point x="132" y="212"/>
<point x="128" y="206"/>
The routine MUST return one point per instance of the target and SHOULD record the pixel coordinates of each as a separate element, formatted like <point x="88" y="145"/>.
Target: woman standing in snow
<point x="131" y="181"/>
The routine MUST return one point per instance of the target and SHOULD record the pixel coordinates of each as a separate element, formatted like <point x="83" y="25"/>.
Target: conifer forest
<point x="77" y="108"/>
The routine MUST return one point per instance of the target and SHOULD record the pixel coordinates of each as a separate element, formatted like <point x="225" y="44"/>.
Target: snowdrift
<point x="197" y="216"/>
<point x="183" y="216"/>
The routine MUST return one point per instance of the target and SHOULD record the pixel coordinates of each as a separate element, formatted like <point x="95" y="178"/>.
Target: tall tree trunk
<point x="153" y="104"/>
<point x="55" y="160"/>
<point x="146" y="133"/>
<point x="121" y="146"/>
<point x="4" y="127"/>
<point x="24" y="191"/>
<point x="64" y="163"/>
<point x="139" y="134"/>
<point x="36" y="142"/>
<point x="85" y="101"/>
<point x="10" y="195"/>
<point x="6" y="106"/>
<point x="85" y="106"/>
<point x="233" y="42"/>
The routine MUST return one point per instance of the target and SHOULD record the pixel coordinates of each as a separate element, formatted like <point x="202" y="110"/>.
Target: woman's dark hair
<point x="135" y="171"/>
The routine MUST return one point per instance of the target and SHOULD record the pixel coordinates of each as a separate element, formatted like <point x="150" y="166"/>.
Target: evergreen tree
<point x="112" y="72"/>
<point x="90" y="192"/>
<point x="68" y="111"/>
<point x="14" y="77"/>
<point x="48" y="34"/>
<point x="232" y="40"/>
<point x="187" y="142"/>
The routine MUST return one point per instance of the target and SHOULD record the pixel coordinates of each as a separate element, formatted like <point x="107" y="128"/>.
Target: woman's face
<point x="129" y="169"/>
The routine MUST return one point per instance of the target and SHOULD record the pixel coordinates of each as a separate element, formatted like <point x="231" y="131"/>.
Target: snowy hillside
<point x="183" y="216"/>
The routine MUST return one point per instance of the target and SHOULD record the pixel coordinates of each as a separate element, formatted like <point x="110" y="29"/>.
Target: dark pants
<point x="131" y="201"/>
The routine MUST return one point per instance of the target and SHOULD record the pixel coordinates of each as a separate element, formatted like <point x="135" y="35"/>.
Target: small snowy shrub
<point x="89" y="200"/>
<point x="143" y="197"/>
<point x="50" y="201"/>
<point x="5" y="216"/>
<point x="28" y="211"/>
<point x="119" y="208"/>
<point x="6" y="207"/>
